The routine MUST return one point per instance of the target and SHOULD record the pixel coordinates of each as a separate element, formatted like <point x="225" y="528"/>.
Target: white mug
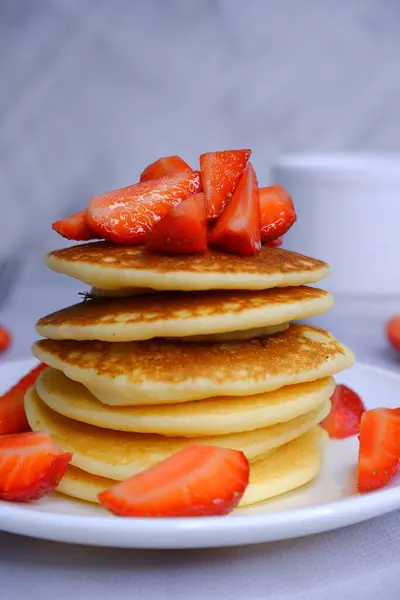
<point x="348" y="214"/>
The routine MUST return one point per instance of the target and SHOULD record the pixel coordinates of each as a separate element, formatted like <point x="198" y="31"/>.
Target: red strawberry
<point x="31" y="465"/>
<point x="5" y="338"/>
<point x="275" y="243"/>
<point x="238" y="228"/>
<point x="12" y="411"/>
<point x="220" y="174"/>
<point x="196" y="481"/>
<point x="125" y="216"/>
<point x="393" y="331"/>
<point x="183" y="230"/>
<point x="345" y="416"/>
<point x="379" y="454"/>
<point x="277" y="212"/>
<point x="167" y="165"/>
<point x="75" y="227"/>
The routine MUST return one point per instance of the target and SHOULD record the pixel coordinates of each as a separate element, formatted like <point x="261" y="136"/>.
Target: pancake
<point x="118" y="455"/>
<point x="286" y="469"/>
<point x="83" y="486"/>
<point x="232" y="336"/>
<point x="164" y="372"/>
<point x="120" y="293"/>
<point x="110" y="267"/>
<point x="215" y="416"/>
<point x="177" y="314"/>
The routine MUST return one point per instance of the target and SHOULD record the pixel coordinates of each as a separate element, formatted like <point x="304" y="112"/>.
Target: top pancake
<point x="163" y="372"/>
<point x="110" y="267"/>
<point x="177" y="314"/>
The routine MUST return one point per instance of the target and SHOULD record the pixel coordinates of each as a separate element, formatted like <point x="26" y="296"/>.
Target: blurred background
<point x="93" y="90"/>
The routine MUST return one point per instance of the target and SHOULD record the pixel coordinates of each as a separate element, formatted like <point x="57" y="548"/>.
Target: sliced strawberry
<point x="168" y="165"/>
<point x="238" y="228"/>
<point x="75" y="227"/>
<point x="277" y="212"/>
<point x="196" y="481"/>
<point x="12" y="412"/>
<point x="275" y="243"/>
<point x="31" y="465"/>
<point x="379" y="454"/>
<point x="393" y="332"/>
<point x="125" y="216"/>
<point x="5" y="338"/>
<point x="183" y="230"/>
<point x="345" y="416"/>
<point x="220" y="174"/>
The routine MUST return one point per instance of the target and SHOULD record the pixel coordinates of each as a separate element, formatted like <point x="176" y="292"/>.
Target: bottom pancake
<point x="118" y="455"/>
<point x="286" y="469"/>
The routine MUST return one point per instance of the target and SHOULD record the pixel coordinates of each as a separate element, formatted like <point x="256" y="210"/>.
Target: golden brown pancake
<point x="289" y="467"/>
<point x="178" y="314"/>
<point x="109" y="266"/>
<point x="163" y="372"/>
<point x="118" y="454"/>
<point x="120" y="293"/>
<point x="229" y="336"/>
<point x="216" y="416"/>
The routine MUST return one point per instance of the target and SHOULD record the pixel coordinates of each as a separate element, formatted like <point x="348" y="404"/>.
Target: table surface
<point x="358" y="561"/>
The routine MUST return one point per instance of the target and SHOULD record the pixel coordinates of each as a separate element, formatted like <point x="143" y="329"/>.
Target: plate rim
<point x="18" y="518"/>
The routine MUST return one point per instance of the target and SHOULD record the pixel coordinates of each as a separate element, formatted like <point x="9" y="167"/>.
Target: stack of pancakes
<point x="170" y="350"/>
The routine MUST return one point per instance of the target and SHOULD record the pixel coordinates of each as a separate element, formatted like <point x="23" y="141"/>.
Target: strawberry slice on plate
<point x="344" y="418"/>
<point x="126" y="215"/>
<point x="196" y="481"/>
<point x="5" y="338"/>
<point x="238" y="228"/>
<point x="220" y="174"/>
<point x="168" y="165"/>
<point x="277" y="212"/>
<point x="75" y="227"/>
<point x="12" y="411"/>
<point x="379" y="453"/>
<point x="31" y="466"/>
<point x="183" y="230"/>
<point x="393" y="332"/>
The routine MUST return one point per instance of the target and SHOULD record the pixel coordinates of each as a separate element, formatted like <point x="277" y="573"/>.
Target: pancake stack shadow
<point x="170" y="350"/>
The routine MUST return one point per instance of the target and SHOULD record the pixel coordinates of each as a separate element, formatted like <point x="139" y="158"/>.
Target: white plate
<point x="328" y="503"/>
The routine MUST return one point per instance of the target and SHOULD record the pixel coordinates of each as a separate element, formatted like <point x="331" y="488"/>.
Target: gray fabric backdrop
<point x="92" y="90"/>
